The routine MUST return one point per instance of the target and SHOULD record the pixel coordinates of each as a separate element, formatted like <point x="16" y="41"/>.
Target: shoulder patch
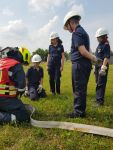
<point x="99" y="50"/>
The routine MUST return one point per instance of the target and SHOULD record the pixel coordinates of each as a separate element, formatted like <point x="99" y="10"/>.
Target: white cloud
<point x="7" y="12"/>
<point x="41" y="36"/>
<point x="92" y="25"/>
<point x="16" y="33"/>
<point x="42" y="5"/>
<point x="14" y="28"/>
<point x="13" y="34"/>
<point x="46" y="28"/>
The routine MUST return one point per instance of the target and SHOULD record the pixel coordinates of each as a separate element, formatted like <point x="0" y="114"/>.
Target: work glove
<point x="102" y="71"/>
<point x="26" y="93"/>
<point x="96" y="61"/>
<point x="39" y="88"/>
<point x="20" y="93"/>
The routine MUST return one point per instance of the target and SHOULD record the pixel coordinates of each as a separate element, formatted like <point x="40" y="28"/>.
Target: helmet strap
<point x="70" y="26"/>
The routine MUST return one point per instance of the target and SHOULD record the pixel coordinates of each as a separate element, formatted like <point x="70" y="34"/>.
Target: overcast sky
<point x="30" y="22"/>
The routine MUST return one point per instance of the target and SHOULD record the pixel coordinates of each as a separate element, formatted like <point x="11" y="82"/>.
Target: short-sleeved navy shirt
<point x="55" y="53"/>
<point x="103" y="50"/>
<point x="79" y="38"/>
<point x="34" y="76"/>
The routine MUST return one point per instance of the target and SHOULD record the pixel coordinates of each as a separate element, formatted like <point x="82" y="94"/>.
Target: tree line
<point x="44" y="53"/>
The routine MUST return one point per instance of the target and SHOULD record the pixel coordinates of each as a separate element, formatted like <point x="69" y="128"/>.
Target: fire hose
<point x="68" y="125"/>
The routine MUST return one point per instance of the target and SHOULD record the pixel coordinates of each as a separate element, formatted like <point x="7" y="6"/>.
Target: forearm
<point x="86" y="54"/>
<point x="62" y="60"/>
<point x="48" y="57"/>
<point x="41" y="81"/>
<point x="106" y="61"/>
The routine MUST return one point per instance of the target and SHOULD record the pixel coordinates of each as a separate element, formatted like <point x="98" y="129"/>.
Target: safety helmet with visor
<point x="26" y="55"/>
<point x="21" y="54"/>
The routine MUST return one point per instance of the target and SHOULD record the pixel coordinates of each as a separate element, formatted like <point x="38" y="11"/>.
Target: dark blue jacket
<point x="79" y="38"/>
<point x="34" y="76"/>
<point x="103" y="50"/>
<point x="55" y="53"/>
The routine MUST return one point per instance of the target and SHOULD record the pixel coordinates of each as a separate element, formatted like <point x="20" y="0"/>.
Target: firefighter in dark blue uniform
<point x="34" y="79"/>
<point x="81" y="62"/>
<point x="101" y="72"/>
<point x="12" y="85"/>
<point x="55" y="62"/>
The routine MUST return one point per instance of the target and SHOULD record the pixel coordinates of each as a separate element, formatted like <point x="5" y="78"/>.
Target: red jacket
<point x="7" y="87"/>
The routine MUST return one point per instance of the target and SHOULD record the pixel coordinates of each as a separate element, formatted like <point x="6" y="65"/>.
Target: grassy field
<point x="26" y="137"/>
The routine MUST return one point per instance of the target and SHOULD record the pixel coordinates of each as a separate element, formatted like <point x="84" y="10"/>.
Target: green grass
<point x="26" y="137"/>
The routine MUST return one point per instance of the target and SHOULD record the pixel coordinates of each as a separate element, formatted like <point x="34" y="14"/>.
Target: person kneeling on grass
<point x="34" y="80"/>
<point x="12" y="85"/>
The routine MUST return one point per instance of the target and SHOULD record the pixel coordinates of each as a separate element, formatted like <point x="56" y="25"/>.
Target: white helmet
<point x="36" y="58"/>
<point x="70" y="15"/>
<point x="54" y="35"/>
<point x="101" y="31"/>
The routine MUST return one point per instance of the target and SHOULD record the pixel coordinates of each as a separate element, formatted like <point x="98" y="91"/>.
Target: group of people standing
<point x="81" y="62"/>
<point x="81" y="59"/>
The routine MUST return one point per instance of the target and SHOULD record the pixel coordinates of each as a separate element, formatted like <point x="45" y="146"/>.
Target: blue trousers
<point x="100" y="85"/>
<point x="80" y="77"/>
<point x="14" y="106"/>
<point x="34" y="95"/>
<point x="54" y="79"/>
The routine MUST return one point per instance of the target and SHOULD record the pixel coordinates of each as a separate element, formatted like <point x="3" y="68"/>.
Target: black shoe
<point x="58" y="93"/>
<point x="99" y="104"/>
<point x="74" y="115"/>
